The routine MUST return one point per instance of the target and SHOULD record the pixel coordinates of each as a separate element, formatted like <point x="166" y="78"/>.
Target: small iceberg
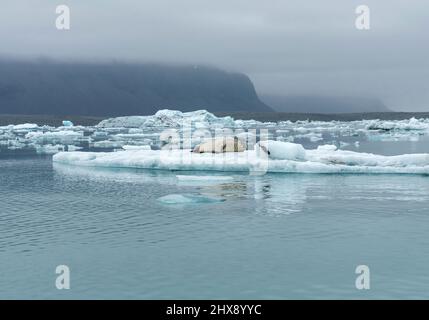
<point x="170" y="119"/>
<point x="25" y="126"/>
<point x="130" y="147"/>
<point x="67" y="123"/>
<point x="399" y="125"/>
<point x="188" y="199"/>
<point x="270" y="156"/>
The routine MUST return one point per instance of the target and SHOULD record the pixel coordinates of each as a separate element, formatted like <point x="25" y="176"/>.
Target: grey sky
<point x="286" y="47"/>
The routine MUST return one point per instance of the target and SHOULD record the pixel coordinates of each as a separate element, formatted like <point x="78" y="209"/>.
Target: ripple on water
<point x="268" y="236"/>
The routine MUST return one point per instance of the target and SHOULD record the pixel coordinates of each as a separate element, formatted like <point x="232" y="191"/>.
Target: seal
<point x="220" y="145"/>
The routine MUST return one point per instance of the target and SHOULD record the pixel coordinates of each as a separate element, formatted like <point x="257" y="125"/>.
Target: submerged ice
<point x="188" y="199"/>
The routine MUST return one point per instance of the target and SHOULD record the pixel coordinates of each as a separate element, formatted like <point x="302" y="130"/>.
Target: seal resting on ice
<point x="220" y="145"/>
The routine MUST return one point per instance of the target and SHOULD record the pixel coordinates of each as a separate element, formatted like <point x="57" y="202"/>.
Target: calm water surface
<point x="275" y="236"/>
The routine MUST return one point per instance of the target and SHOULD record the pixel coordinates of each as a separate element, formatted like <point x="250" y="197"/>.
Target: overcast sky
<point x="285" y="46"/>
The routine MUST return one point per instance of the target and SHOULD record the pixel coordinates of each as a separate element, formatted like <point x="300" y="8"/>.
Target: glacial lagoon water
<point x="274" y="236"/>
<point x="151" y="234"/>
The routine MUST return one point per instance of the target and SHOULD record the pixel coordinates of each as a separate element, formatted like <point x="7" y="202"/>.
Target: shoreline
<point x="56" y="120"/>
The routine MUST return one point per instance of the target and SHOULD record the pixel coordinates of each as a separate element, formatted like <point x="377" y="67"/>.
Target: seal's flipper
<point x="265" y="149"/>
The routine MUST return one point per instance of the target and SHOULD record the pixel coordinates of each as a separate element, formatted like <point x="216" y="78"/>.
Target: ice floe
<point x="288" y="158"/>
<point x="144" y="147"/>
<point x="185" y="130"/>
<point x="25" y="126"/>
<point x="68" y="123"/>
<point x="404" y="125"/>
<point x="170" y="119"/>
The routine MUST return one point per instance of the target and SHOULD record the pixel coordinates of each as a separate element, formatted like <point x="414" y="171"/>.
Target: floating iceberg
<point x="128" y="147"/>
<point x="25" y="126"/>
<point x="49" y="149"/>
<point x="107" y="144"/>
<point x="65" y="137"/>
<point x="289" y="158"/>
<point x="404" y="125"/>
<point x="170" y="119"/>
<point x="187" y="129"/>
<point x="67" y="123"/>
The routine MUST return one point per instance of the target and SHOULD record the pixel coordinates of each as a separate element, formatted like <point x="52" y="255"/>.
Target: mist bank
<point x="291" y="116"/>
<point x="120" y="89"/>
<point x="324" y="104"/>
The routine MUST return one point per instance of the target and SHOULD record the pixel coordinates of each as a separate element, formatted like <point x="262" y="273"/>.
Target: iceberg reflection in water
<point x="274" y="236"/>
<point x="225" y="234"/>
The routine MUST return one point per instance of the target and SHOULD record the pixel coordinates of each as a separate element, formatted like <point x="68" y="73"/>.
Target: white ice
<point x="278" y="150"/>
<point x="116" y="133"/>
<point x="25" y="126"/>
<point x="68" y="123"/>
<point x="407" y="125"/>
<point x="129" y="147"/>
<point x="169" y="118"/>
<point x="325" y="159"/>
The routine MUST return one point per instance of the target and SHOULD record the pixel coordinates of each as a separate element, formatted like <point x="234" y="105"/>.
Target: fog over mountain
<point x="296" y="47"/>
<point x="117" y="89"/>
<point x="287" y="48"/>
<point x="324" y="104"/>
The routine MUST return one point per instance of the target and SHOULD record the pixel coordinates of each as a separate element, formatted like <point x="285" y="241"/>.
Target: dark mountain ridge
<point x="120" y="89"/>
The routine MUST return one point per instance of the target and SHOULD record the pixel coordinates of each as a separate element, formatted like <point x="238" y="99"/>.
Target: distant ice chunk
<point x="53" y="149"/>
<point x="67" y="123"/>
<point x="53" y="137"/>
<point x="135" y="131"/>
<point x="15" y="145"/>
<point x="73" y="148"/>
<point x="129" y="147"/>
<point x="107" y="144"/>
<point x="313" y="137"/>
<point x="169" y="118"/>
<point x="49" y="148"/>
<point x="25" y="126"/>
<point x="406" y="125"/>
